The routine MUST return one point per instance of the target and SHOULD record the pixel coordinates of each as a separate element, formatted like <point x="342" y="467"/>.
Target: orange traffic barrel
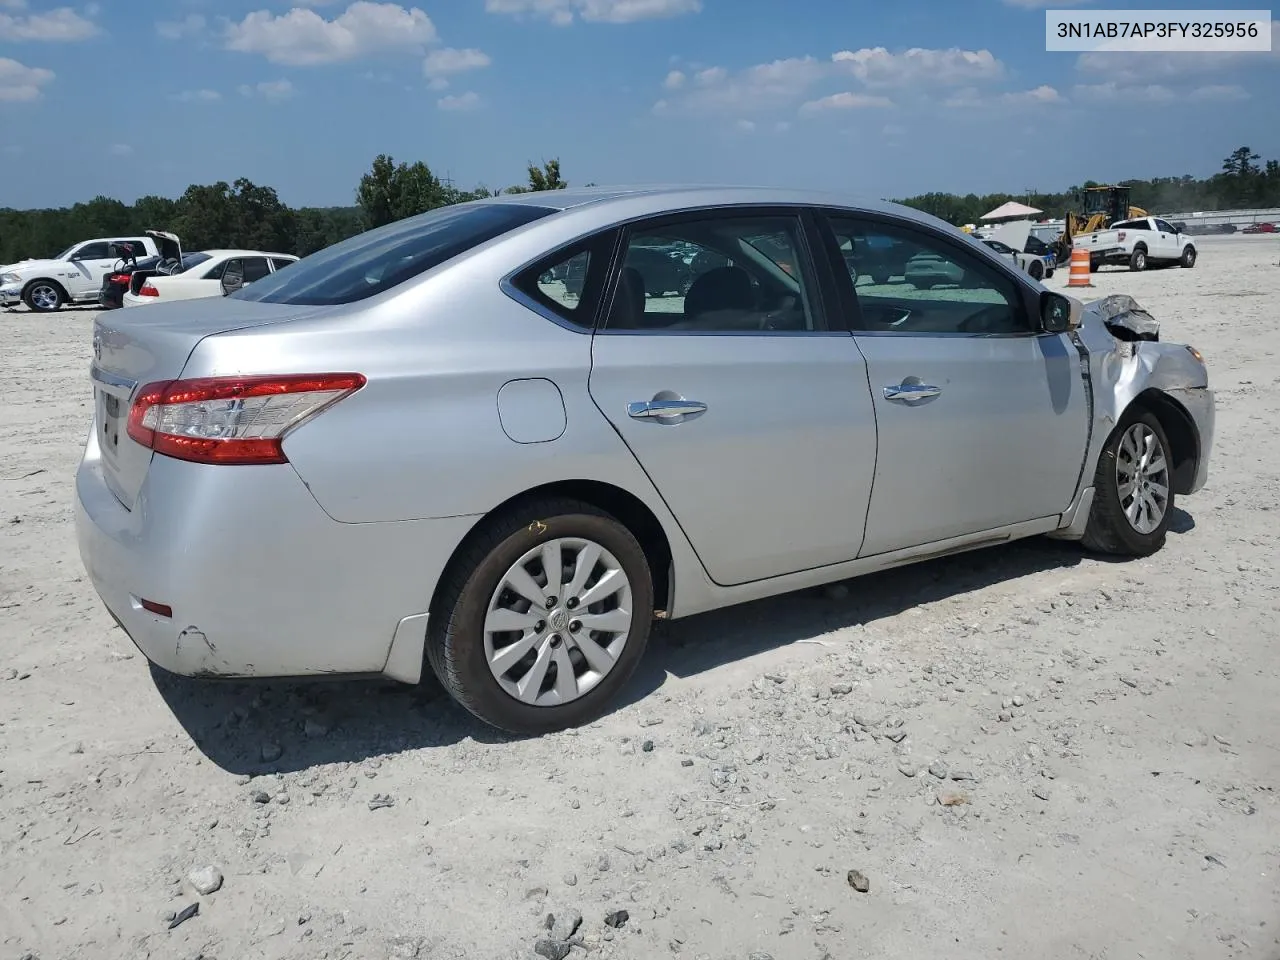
<point x="1079" y="275"/>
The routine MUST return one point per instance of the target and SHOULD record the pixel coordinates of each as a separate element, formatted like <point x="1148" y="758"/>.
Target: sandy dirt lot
<point x="1024" y="751"/>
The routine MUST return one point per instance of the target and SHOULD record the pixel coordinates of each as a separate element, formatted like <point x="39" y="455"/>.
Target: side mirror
<point x="232" y="277"/>
<point x="1059" y="314"/>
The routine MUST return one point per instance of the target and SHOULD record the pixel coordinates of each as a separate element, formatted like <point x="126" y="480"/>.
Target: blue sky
<point x="130" y="97"/>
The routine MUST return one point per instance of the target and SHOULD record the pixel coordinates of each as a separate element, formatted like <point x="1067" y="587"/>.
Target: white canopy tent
<point x="1009" y="210"/>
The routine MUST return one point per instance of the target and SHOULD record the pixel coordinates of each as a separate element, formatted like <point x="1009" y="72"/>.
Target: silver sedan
<point x="485" y="442"/>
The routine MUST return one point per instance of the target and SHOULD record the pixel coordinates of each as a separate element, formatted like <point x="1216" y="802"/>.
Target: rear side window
<point x="369" y="263"/>
<point x="566" y="283"/>
<point x="281" y="262"/>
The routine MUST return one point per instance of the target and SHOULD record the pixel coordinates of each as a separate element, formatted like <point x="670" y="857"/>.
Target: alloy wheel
<point x="1142" y="478"/>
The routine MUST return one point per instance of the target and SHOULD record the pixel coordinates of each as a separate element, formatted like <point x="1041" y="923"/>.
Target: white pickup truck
<point x="73" y="275"/>
<point x="1139" y="243"/>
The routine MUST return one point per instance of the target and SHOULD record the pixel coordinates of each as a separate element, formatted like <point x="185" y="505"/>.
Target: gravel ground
<point x="1022" y="751"/>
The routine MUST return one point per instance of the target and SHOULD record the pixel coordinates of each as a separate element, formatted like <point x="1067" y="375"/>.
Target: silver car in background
<point x="419" y="450"/>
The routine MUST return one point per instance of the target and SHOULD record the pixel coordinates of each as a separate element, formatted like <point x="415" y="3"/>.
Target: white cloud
<point x="562" y="12"/>
<point x="1218" y="92"/>
<point x="970" y="98"/>
<point x="746" y="126"/>
<point x="1137" y="68"/>
<point x="54" y="26"/>
<point x="1112" y="91"/>
<point x="845" y="101"/>
<point x="877" y="67"/>
<point x="1040" y="95"/>
<point x="192" y="25"/>
<point x="675" y="80"/>
<point x="272" y="90"/>
<point x="463" y="101"/>
<point x="762" y="87"/>
<point x="19" y="82"/>
<point x="304" y="38"/>
<point x="120" y="150"/>
<point x="448" y="61"/>
<point x="196" y="96"/>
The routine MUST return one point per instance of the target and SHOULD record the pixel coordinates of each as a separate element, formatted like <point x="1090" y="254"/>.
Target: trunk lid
<point x="132" y="348"/>
<point x="167" y="244"/>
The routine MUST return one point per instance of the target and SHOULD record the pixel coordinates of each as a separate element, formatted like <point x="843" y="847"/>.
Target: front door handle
<point x="662" y="409"/>
<point x="911" y="391"/>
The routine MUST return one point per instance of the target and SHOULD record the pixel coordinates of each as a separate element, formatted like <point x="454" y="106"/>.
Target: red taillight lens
<point x="241" y="420"/>
<point x="148" y="290"/>
<point x="119" y="278"/>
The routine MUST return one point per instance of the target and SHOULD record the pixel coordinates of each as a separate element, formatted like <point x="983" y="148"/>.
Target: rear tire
<point x="1118" y="522"/>
<point x="1138" y="259"/>
<point x="1036" y="269"/>
<point x="480" y="622"/>
<point x="44" y="296"/>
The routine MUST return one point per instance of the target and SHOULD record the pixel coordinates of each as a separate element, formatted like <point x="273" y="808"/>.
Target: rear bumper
<point x="133" y="300"/>
<point x="1199" y="403"/>
<point x="261" y="582"/>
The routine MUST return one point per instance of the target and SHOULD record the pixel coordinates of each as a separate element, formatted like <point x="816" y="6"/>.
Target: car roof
<point x="660" y="198"/>
<point x="246" y="253"/>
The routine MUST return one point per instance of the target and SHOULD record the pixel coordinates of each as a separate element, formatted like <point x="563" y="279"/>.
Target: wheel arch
<point x="1180" y="428"/>
<point x="32" y="282"/>
<point x="627" y="508"/>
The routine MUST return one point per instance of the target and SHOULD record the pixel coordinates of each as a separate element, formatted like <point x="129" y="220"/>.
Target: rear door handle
<point x="662" y="409"/>
<point x="911" y="391"/>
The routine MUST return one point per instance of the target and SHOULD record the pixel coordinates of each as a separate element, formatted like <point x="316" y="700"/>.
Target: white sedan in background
<point x="204" y="279"/>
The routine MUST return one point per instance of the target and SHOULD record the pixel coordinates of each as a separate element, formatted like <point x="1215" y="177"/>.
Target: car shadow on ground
<point x="284" y="726"/>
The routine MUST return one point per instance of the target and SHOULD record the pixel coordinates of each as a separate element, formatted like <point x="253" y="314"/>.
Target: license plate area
<point x="110" y="414"/>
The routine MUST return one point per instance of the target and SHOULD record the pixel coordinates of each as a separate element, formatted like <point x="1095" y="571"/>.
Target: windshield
<point x="380" y="259"/>
<point x="66" y="253"/>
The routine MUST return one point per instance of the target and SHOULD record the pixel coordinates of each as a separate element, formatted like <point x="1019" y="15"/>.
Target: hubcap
<point x="558" y="622"/>
<point x="44" y="297"/>
<point x="1142" y="477"/>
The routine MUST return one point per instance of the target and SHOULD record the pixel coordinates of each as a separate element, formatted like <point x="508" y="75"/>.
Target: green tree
<point x="391" y="191"/>
<point x="545" y="177"/>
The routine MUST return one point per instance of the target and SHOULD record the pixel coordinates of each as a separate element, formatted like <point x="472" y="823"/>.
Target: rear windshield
<point x="369" y="263"/>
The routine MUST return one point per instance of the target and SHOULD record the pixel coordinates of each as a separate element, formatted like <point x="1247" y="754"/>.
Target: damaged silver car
<point x="422" y="450"/>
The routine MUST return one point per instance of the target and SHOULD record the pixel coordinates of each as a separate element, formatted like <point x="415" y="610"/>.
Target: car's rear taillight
<point x="119" y="278"/>
<point x="240" y="420"/>
<point x="148" y="290"/>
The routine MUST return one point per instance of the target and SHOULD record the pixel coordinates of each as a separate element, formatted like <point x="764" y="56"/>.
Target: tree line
<point x="244" y="214"/>
<point x="1243" y="183"/>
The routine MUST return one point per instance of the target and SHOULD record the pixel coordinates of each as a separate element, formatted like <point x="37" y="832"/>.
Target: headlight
<point x="1196" y="353"/>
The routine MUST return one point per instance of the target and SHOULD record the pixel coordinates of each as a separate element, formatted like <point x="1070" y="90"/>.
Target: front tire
<point x="1133" y="498"/>
<point x="544" y="617"/>
<point x="44" y="296"/>
<point x="1036" y="269"/>
<point x="1188" y="259"/>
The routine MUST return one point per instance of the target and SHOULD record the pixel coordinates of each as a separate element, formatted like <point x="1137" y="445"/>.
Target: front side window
<point x="716" y="274"/>
<point x="909" y="281"/>
<point x="93" y="251"/>
<point x="380" y="259"/>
